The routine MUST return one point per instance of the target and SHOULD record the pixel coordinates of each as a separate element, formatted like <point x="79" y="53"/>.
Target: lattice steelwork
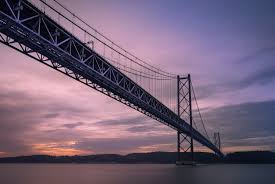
<point x="28" y="30"/>
<point x="185" y="112"/>
<point x="217" y="140"/>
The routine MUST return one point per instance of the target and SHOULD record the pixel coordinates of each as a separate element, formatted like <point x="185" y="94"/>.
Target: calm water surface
<point x="135" y="174"/>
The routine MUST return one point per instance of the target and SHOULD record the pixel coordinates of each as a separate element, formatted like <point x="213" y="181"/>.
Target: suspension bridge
<point x="50" y="33"/>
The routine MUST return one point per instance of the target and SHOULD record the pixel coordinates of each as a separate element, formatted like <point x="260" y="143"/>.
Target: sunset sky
<point x="227" y="46"/>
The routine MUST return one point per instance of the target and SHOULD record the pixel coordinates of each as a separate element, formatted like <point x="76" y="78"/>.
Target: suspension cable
<point x="199" y="111"/>
<point x="124" y="68"/>
<point x="149" y="67"/>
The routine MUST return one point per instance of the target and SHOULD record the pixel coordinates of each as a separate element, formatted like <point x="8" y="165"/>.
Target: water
<point x="135" y="174"/>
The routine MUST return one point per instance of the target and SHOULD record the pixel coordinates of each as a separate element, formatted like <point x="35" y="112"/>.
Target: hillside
<point x="253" y="157"/>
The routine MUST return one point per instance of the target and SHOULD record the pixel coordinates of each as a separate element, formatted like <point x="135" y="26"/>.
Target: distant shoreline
<point x="250" y="157"/>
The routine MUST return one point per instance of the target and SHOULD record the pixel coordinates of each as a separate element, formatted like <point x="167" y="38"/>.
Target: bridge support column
<point x="217" y="140"/>
<point x="178" y="143"/>
<point x="184" y="108"/>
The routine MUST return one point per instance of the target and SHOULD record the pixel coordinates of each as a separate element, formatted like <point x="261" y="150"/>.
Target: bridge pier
<point x="184" y="108"/>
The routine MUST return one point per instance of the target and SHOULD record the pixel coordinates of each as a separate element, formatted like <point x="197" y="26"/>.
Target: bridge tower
<point x="184" y="108"/>
<point x="217" y="140"/>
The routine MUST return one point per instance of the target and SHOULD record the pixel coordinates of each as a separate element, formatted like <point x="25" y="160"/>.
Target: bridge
<point x="50" y="33"/>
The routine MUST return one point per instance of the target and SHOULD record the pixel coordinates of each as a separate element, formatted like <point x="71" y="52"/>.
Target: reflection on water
<point x="135" y="174"/>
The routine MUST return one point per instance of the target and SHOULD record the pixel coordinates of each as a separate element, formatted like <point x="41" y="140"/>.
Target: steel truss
<point x="217" y="140"/>
<point x="184" y="97"/>
<point x="28" y="30"/>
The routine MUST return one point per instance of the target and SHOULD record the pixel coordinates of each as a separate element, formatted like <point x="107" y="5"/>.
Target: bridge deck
<point x="28" y="30"/>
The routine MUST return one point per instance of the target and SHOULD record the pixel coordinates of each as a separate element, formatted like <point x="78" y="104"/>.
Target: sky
<point x="228" y="47"/>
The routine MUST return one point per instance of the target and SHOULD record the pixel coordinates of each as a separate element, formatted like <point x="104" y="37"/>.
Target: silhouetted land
<point x="252" y="157"/>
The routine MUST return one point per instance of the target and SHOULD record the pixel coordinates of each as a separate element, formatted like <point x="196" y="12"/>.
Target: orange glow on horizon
<point x="58" y="149"/>
<point x="2" y="153"/>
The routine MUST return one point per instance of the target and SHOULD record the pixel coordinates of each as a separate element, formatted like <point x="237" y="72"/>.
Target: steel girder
<point x="28" y="30"/>
<point x="184" y="98"/>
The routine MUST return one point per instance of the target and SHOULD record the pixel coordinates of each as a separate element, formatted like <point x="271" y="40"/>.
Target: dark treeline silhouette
<point x="252" y="157"/>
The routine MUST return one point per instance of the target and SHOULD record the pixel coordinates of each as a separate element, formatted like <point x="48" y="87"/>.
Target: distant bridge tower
<point x="217" y="140"/>
<point x="184" y="108"/>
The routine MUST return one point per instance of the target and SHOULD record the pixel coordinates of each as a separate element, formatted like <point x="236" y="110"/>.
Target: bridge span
<point x="29" y="29"/>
